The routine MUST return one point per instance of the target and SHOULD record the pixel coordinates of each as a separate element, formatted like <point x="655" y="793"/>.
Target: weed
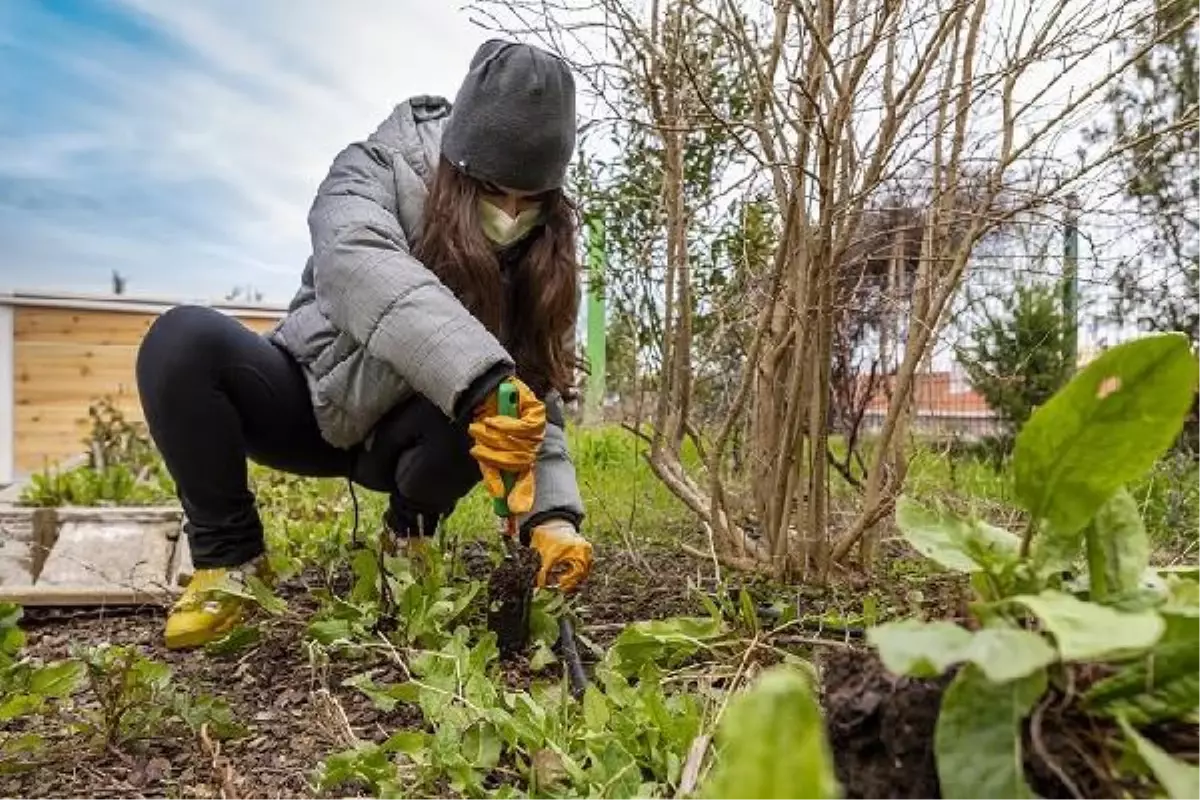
<point x="110" y="694"/>
<point x="1075" y="587"/>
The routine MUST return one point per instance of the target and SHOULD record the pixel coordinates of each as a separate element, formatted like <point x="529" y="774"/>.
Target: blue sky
<point x="180" y="141"/>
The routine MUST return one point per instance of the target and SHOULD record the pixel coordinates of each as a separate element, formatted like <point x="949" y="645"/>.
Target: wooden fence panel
<point x="64" y="359"/>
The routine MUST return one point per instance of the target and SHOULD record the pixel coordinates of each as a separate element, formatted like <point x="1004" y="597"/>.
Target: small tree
<point x="1016" y="359"/>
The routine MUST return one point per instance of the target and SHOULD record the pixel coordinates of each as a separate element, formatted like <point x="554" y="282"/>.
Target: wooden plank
<point x="55" y="417"/>
<point x="8" y="462"/>
<point x="69" y="596"/>
<point x="75" y="326"/>
<point x="97" y="327"/>
<point x="54" y="449"/>
<point x="46" y="371"/>
<point x="58" y="432"/>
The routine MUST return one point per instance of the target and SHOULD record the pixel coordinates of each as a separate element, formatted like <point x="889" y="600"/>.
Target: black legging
<point x="215" y="393"/>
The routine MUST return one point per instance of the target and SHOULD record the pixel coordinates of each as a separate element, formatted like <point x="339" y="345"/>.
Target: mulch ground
<point x="287" y="701"/>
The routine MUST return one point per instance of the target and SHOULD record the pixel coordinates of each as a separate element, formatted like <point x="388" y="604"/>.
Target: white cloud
<point x="249" y="119"/>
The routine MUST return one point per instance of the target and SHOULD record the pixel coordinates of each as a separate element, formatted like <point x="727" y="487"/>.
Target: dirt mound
<point x="880" y="727"/>
<point x="881" y="730"/>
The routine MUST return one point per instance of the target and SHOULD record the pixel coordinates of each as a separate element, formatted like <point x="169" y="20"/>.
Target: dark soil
<point x="880" y="727"/>
<point x="510" y="599"/>
<point x="881" y="730"/>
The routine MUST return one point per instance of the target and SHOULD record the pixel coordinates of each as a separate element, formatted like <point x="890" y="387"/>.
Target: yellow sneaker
<point x="200" y="615"/>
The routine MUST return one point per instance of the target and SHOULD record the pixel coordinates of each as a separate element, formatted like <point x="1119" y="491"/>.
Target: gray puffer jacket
<point x="370" y="324"/>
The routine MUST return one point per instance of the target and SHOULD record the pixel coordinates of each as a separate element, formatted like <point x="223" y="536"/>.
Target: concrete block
<point x="129" y="548"/>
<point x="25" y="536"/>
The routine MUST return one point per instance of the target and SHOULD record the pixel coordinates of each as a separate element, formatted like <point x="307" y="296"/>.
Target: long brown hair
<point x="536" y="321"/>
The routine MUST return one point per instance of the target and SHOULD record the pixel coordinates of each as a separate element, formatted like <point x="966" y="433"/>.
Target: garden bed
<point x="297" y="712"/>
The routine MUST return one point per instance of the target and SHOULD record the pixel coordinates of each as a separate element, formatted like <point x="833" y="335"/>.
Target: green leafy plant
<point x="773" y="742"/>
<point x="112" y="485"/>
<point x="123" y="467"/>
<point x="111" y="693"/>
<point x="28" y="688"/>
<point x="1074" y="587"/>
<point x="115" y="439"/>
<point x="136" y="698"/>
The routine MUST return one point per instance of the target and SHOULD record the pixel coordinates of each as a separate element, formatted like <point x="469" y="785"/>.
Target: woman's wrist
<point x="480" y="388"/>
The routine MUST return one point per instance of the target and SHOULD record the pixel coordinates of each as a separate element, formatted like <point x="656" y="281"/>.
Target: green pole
<point x="596" y="318"/>
<point x="507" y="404"/>
<point x="1070" y="288"/>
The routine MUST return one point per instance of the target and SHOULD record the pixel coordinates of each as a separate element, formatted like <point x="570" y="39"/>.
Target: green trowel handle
<point x="507" y="406"/>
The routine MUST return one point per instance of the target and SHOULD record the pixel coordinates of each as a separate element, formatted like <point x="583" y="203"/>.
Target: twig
<point x="811" y="640"/>
<point x="733" y="562"/>
<point x="1035" y="736"/>
<point x="223" y="771"/>
<point x="335" y="717"/>
<point x="691" y="767"/>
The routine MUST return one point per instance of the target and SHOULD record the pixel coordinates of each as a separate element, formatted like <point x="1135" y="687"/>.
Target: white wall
<point x="7" y="383"/>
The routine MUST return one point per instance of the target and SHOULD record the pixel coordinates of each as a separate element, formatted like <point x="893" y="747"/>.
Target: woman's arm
<point x="556" y="492"/>
<point x="370" y="286"/>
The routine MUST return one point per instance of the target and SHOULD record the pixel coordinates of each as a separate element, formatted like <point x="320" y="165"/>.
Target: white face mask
<point x="504" y="230"/>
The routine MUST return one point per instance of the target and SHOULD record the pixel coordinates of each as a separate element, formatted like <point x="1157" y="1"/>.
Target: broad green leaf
<point x="1089" y="631"/>
<point x="367" y="763"/>
<point x="1055" y="552"/>
<point x="919" y="649"/>
<point x="18" y="705"/>
<point x="1118" y="549"/>
<point x="15" y="745"/>
<point x="1006" y="654"/>
<point x="237" y="640"/>
<point x="958" y="544"/>
<point x="385" y="698"/>
<point x="595" y="709"/>
<point x="1180" y="779"/>
<point x="57" y="680"/>
<point x="925" y="650"/>
<point x="481" y="746"/>
<point x="1184" y="572"/>
<point x="12" y="638"/>
<point x="1162" y="685"/>
<point x="772" y="742"/>
<point x="329" y="631"/>
<point x="1103" y="429"/>
<point x="407" y="742"/>
<point x="266" y="598"/>
<point x="1183" y="596"/>
<point x="977" y="741"/>
<point x="662" y="640"/>
<point x="543" y="656"/>
<point x="212" y="712"/>
<point x="10" y="614"/>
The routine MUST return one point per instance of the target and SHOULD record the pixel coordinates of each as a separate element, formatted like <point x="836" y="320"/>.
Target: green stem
<point x="1027" y="539"/>
<point x="1097" y="577"/>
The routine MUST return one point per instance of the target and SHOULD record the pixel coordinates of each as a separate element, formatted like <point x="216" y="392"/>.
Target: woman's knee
<point x="179" y="344"/>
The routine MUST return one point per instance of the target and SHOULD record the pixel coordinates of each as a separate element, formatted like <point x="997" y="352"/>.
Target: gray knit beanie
<point x="513" y="121"/>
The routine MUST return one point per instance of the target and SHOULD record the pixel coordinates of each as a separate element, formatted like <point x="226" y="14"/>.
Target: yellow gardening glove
<point x="510" y="444"/>
<point x="564" y="553"/>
